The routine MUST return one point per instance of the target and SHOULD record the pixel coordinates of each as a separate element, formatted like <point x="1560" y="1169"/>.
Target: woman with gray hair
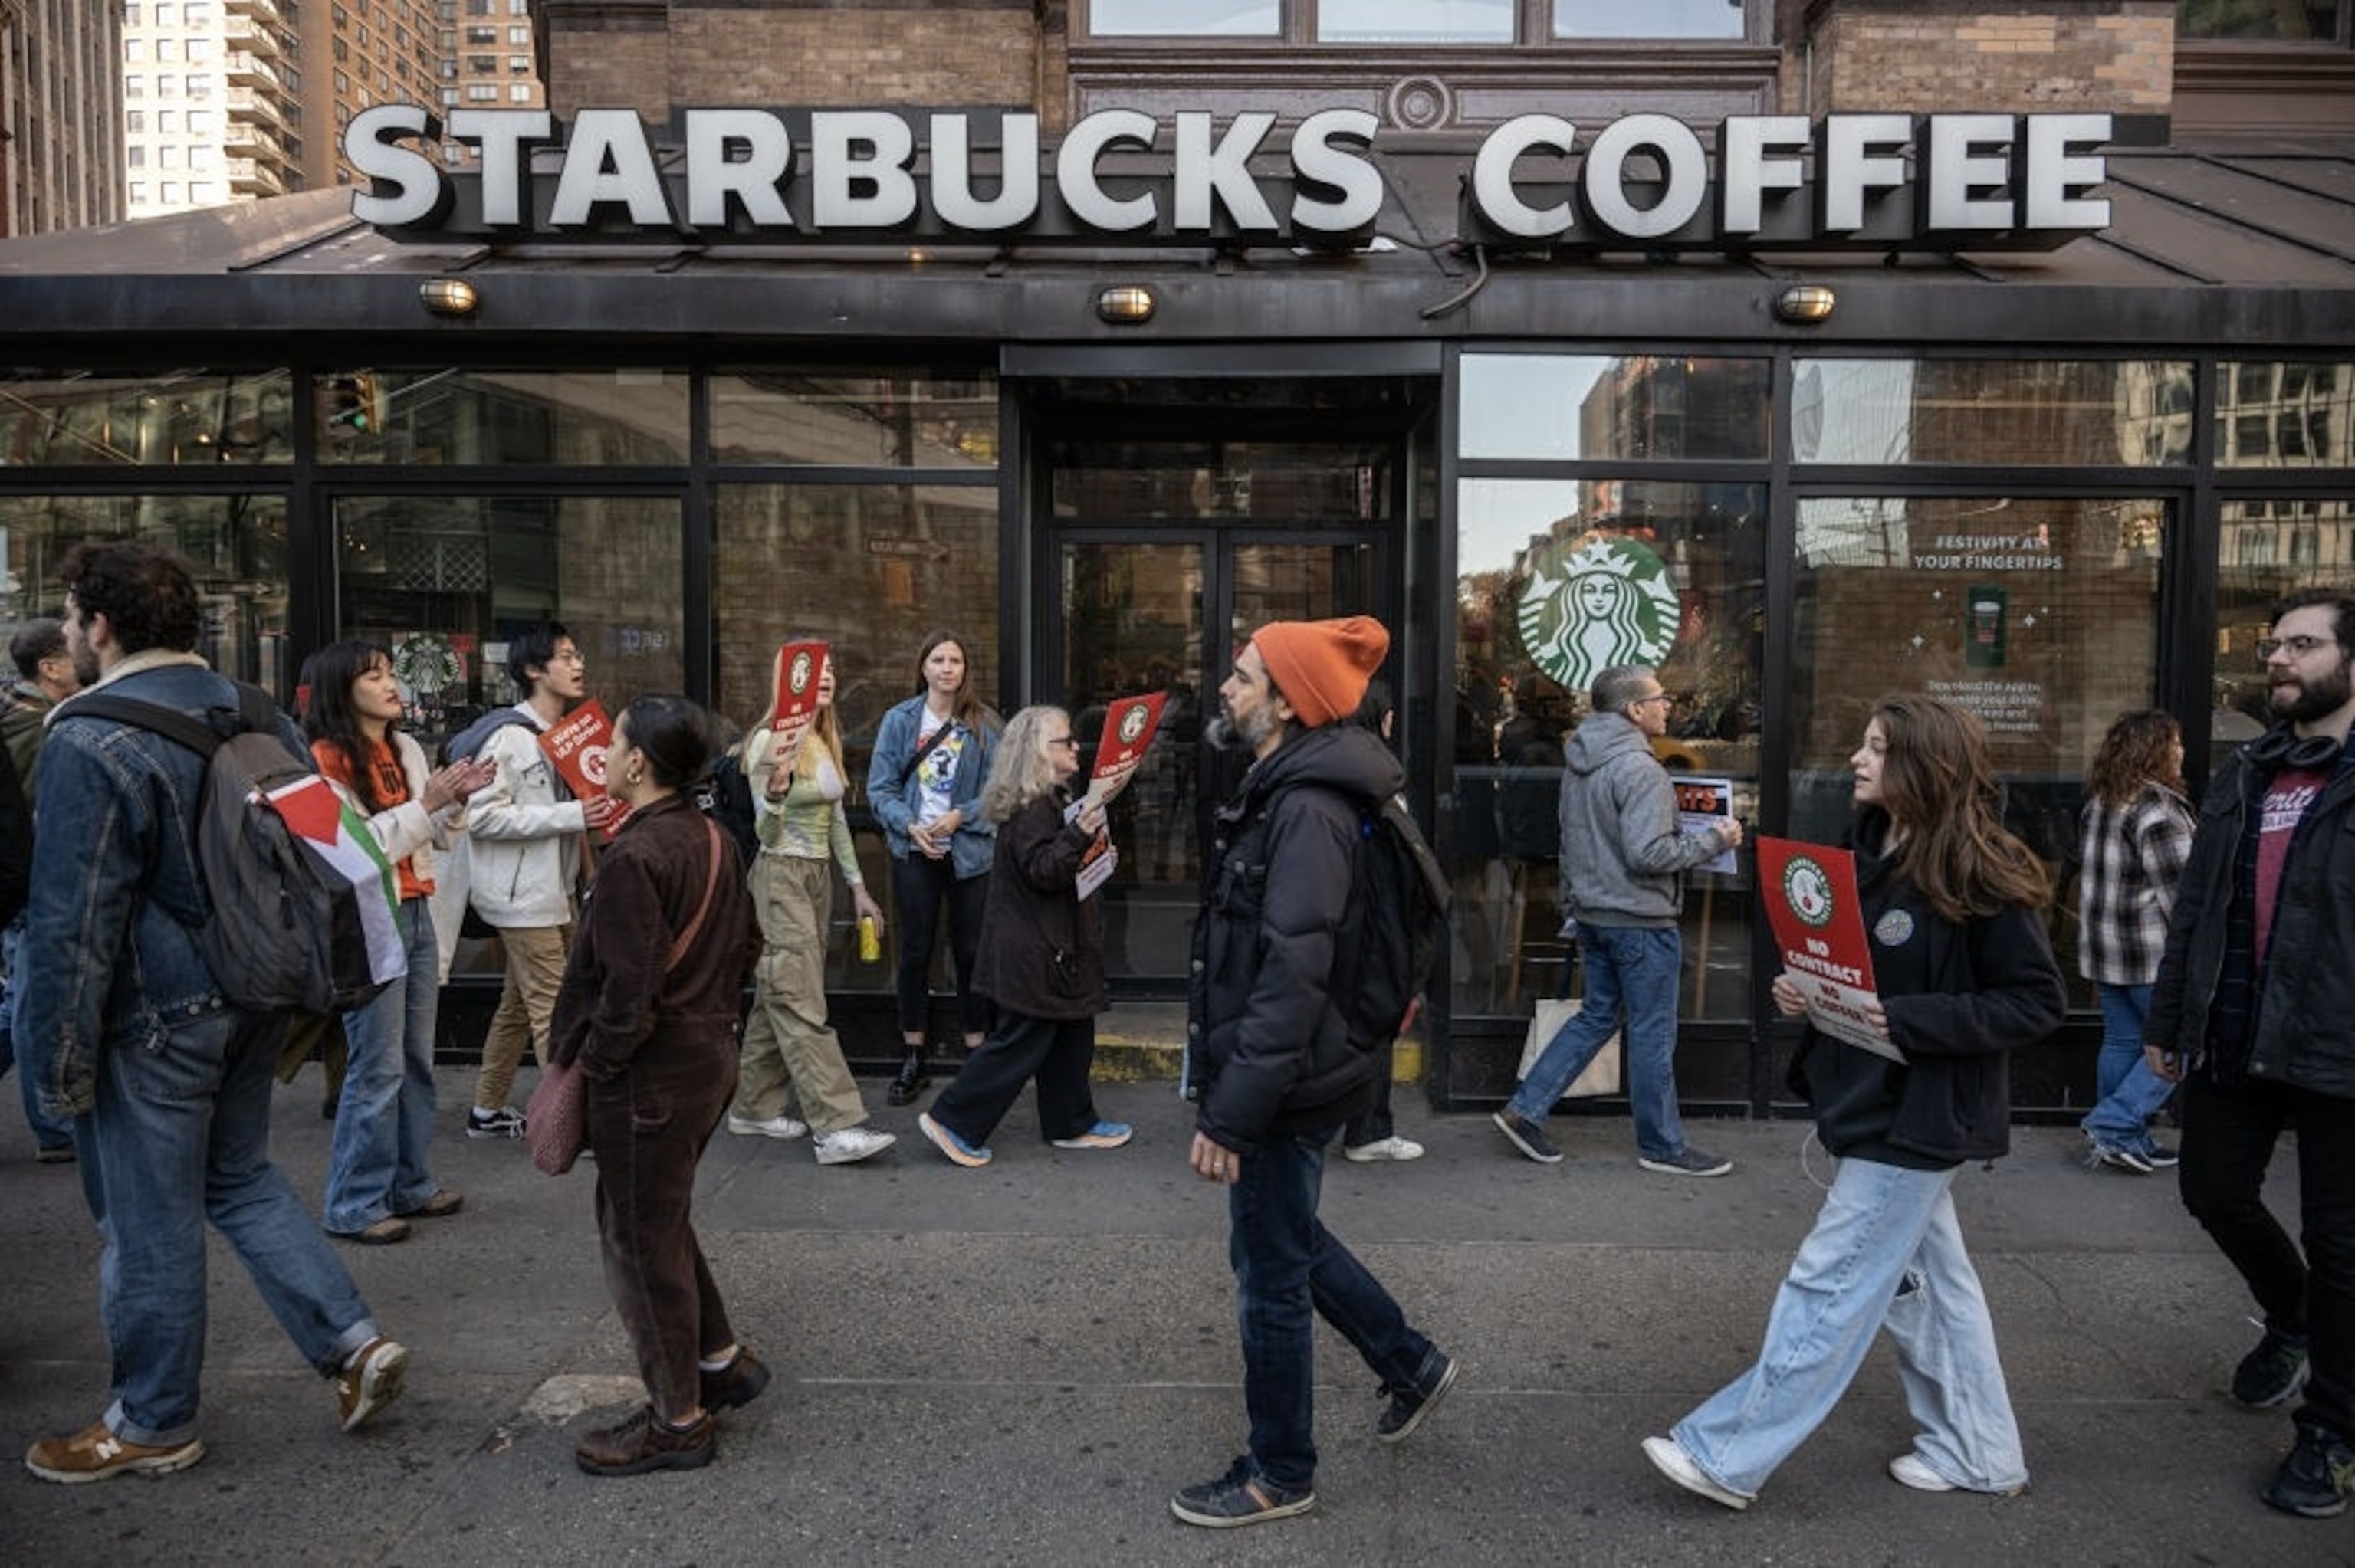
<point x="1041" y="958"/>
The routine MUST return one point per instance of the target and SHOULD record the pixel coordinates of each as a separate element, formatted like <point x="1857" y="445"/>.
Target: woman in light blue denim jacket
<point x="932" y="757"/>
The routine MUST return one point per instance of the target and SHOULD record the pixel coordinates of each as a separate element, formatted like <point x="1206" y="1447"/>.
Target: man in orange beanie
<point x="1270" y="1060"/>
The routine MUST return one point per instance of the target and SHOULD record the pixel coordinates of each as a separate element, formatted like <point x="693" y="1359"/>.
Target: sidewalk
<point x="1020" y="1364"/>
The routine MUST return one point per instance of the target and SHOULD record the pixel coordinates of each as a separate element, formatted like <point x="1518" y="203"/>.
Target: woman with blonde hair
<point x="1041" y="958"/>
<point x="1953" y="907"/>
<point x="2137" y="836"/>
<point x="804" y="835"/>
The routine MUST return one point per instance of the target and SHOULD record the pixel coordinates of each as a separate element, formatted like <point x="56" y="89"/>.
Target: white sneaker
<point x="1669" y="1456"/>
<point x="775" y="1126"/>
<point x="1384" y="1149"/>
<point x="1912" y="1470"/>
<point x="850" y="1144"/>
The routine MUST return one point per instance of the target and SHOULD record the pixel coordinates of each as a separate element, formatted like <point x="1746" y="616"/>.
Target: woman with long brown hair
<point x="2136" y="835"/>
<point x="1953" y="907"/>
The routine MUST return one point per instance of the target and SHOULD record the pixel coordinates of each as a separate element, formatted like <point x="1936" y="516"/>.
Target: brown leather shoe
<point x="642" y="1444"/>
<point x="445" y="1201"/>
<point x="384" y="1232"/>
<point x="737" y="1383"/>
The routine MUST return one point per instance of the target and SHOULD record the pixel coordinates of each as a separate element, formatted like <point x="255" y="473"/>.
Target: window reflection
<point x="1650" y="19"/>
<point x="2288" y="414"/>
<point x="2266" y="549"/>
<point x="1638" y="407"/>
<point x="1870" y="411"/>
<point x="903" y="419"/>
<point x="1177" y="18"/>
<point x="578" y="418"/>
<point x="2294" y="20"/>
<point x="173" y="418"/>
<point x="1416" y="21"/>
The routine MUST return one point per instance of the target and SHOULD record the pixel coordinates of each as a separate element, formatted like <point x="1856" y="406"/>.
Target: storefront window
<point x="235" y="543"/>
<point x="1180" y="18"/>
<point x="1632" y="408"/>
<point x="2291" y="21"/>
<point x="870" y="570"/>
<point x="2088" y="411"/>
<point x="2040" y="615"/>
<point x="577" y="418"/>
<point x="1651" y="19"/>
<point x="912" y="419"/>
<point x="2266" y="549"/>
<point x="2286" y="414"/>
<point x="1561" y="579"/>
<point x="174" y="419"/>
<point x="1416" y="21"/>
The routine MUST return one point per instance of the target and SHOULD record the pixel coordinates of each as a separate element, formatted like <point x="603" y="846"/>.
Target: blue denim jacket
<point x="109" y="960"/>
<point x="894" y="800"/>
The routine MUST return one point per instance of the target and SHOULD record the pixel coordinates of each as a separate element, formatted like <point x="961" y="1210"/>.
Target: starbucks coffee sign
<point x="1648" y="182"/>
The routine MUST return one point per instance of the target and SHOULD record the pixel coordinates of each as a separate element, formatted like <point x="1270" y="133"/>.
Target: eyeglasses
<point x="2295" y="647"/>
<point x="1062" y="740"/>
<point x="1646" y="702"/>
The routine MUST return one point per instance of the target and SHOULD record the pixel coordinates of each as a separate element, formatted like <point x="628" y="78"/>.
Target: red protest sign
<point x="1128" y="726"/>
<point x="1818" y="925"/>
<point x="576" y="744"/>
<point x="800" y="666"/>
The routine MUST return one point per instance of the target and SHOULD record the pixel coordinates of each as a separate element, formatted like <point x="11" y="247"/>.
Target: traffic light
<point x="353" y="404"/>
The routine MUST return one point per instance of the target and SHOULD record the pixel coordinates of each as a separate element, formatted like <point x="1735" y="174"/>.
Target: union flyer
<point x="1819" y="925"/>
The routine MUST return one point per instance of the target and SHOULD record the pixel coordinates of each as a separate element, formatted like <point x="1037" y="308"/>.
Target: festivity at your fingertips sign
<point x="1128" y="726"/>
<point x="1818" y="925"/>
<point x="576" y="744"/>
<point x="799" y="665"/>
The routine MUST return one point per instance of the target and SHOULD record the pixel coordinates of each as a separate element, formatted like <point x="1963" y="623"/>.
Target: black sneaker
<point x="1686" y="1161"/>
<point x="1411" y="1404"/>
<point x="504" y="1122"/>
<point x="2273" y="1371"/>
<point x="1526" y="1136"/>
<point x="1239" y="1498"/>
<point x="2315" y="1479"/>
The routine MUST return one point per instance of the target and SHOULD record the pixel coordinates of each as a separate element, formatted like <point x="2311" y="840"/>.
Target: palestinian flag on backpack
<point x="340" y="837"/>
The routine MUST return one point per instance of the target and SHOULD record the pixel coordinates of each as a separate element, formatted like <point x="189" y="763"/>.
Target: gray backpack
<point x="287" y="932"/>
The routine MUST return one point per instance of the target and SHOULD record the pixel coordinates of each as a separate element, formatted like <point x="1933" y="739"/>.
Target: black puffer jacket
<point x="1960" y="999"/>
<point x="1267" y="1053"/>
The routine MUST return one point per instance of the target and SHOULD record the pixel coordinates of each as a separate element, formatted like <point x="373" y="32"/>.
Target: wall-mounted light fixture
<point x="1805" y="303"/>
<point x="450" y="296"/>
<point x="1127" y="305"/>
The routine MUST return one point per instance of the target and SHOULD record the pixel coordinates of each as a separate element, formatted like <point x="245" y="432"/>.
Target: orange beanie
<point x="1322" y="666"/>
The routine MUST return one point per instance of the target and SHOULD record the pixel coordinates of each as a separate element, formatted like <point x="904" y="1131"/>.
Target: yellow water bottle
<point x="870" y="941"/>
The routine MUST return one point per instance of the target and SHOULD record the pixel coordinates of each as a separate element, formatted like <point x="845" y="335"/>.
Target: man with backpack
<point x="1280" y="1057"/>
<point x="525" y="861"/>
<point x="126" y="1028"/>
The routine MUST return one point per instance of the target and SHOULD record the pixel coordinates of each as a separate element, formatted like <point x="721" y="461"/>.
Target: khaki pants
<point x="787" y="1041"/>
<point x="534" y="955"/>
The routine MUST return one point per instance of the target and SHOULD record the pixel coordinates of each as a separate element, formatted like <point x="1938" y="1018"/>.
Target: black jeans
<point x="2228" y="1140"/>
<point x="1374" y="1124"/>
<point x="919" y="887"/>
<point x="1056" y="1051"/>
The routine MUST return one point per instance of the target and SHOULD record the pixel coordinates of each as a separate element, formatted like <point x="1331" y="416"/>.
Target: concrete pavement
<point x="1018" y="1364"/>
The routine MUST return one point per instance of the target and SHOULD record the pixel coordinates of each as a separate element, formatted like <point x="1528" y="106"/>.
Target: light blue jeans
<point x="384" y="1122"/>
<point x="1631" y="971"/>
<point x="48" y="1131"/>
<point x="2130" y="1092"/>
<point x="1886" y="1252"/>
<point x="180" y="1135"/>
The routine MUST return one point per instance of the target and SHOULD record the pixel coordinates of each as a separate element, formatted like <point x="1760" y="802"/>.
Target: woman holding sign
<point x="1953" y="907"/>
<point x="804" y="834"/>
<point x="1042" y="958"/>
<point x="932" y="757"/>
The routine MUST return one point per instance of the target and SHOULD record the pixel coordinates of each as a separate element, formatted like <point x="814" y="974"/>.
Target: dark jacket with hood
<point x="1960" y="999"/>
<point x="1041" y="945"/>
<point x="1267" y="1050"/>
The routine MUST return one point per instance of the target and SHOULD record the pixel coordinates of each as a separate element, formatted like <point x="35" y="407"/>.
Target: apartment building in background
<point x="61" y="116"/>
<point x="488" y="61"/>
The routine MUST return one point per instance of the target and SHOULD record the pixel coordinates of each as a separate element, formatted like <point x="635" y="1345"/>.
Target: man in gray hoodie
<point x="1624" y="856"/>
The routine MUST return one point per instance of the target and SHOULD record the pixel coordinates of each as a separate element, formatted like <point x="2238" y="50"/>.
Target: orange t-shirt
<point x="391" y="787"/>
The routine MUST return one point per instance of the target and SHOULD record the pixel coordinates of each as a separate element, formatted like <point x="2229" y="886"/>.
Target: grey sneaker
<point x="2315" y="1479"/>
<point x="1412" y="1404"/>
<point x="1526" y="1136"/>
<point x="850" y="1144"/>
<point x="1686" y="1161"/>
<point x="2269" y="1374"/>
<point x="1239" y="1498"/>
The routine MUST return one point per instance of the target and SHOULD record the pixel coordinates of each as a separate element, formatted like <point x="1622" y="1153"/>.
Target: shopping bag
<point x="1602" y="1075"/>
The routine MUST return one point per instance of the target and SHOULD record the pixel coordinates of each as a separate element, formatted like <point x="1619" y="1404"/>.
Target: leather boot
<point x="642" y="1444"/>
<point x="910" y="1082"/>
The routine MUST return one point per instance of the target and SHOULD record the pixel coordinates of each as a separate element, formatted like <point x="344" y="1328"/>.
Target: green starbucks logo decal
<point x="1610" y="601"/>
<point x="1808" y="891"/>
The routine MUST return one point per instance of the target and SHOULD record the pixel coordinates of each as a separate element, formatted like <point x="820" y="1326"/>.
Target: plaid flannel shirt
<point x="2134" y="855"/>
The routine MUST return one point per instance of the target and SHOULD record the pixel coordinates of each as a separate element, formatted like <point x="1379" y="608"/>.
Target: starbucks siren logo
<point x="1808" y="891"/>
<point x="1608" y="602"/>
<point x="1132" y="723"/>
<point x="805" y="668"/>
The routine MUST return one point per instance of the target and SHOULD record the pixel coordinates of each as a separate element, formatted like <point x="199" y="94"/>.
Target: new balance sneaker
<point x="1411" y="1405"/>
<point x="2315" y="1479"/>
<point x="2269" y="1374"/>
<point x="1526" y="1136"/>
<point x="370" y="1379"/>
<point x="1669" y="1457"/>
<point x="1103" y="1135"/>
<point x="96" y="1454"/>
<point x="1685" y="1162"/>
<point x="1239" y="1498"/>
<point x="739" y="1382"/>
<point x="950" y="1144"/>
<point x="505" y="1122"/>
<point x="1392" y="1147"/>
<point x="850" y="1145"/>
<point x="779" y="1126"/>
